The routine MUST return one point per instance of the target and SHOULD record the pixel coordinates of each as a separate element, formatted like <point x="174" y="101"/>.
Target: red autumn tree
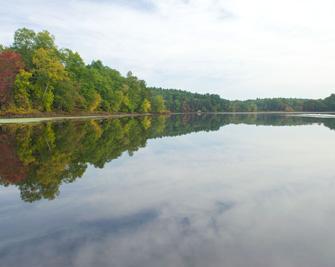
<point x="10" y="64"/>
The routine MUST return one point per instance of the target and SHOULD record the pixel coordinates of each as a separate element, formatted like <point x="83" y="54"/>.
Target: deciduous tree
<point x="10" y="64"/>
<point x="47" y="72"/>
<point x="22" y="90"/>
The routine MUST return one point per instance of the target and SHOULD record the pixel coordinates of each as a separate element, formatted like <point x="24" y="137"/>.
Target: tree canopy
<point x="36" y="75"/>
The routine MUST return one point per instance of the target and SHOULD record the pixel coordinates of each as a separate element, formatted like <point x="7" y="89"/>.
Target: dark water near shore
<point x="207" y="190"/>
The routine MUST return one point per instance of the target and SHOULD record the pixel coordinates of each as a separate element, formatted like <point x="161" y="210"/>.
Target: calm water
<point x="157" y="191"/>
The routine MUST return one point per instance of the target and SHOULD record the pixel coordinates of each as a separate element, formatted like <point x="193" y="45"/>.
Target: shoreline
<point x="40" y="117"/>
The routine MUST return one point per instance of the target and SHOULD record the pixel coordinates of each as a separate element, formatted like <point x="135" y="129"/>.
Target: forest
<point x="37" y="76"/>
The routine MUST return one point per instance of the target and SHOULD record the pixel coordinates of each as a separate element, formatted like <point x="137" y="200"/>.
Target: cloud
<point x="238" y="49"/>
<point x="142" y="5"/>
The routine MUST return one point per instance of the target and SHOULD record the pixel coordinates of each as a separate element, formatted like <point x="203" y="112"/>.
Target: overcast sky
<point x="237" y="48"/>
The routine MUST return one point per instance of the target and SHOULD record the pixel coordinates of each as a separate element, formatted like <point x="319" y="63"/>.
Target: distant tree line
<point x="184" y="101"/>
<point x="285" y="104"/>
<point x="36" y="75"/>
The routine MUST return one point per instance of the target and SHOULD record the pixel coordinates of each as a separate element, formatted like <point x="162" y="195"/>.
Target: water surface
<point x="207" y="190"/>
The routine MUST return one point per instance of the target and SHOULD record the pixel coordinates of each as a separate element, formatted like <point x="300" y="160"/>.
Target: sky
<point x="238" y="49"/>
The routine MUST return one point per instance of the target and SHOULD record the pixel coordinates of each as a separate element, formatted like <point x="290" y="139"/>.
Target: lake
<point x="184" y="190"/>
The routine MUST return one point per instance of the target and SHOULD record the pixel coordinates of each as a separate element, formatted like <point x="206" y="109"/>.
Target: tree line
<point x="36" y="75"/>
<point x="184" y="101"/>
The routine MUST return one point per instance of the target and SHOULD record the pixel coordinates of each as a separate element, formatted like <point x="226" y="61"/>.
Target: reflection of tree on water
<point x="39" y="158"/>
<point x="12" y="169"/>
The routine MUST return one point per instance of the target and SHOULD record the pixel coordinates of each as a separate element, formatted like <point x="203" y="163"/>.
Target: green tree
<point x="158" y="105"/>
<point x="45" y="40"/>
<point x="22" y="90"/>
<point x="95" y="102"/>
<point x="146" y="106"/>
<point x="48" y="70"/>
<point x="24" y="43"/>
<point x="74" y="64"/>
